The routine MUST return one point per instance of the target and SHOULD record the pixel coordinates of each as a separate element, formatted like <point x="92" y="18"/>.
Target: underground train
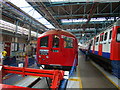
<point x="104" y="48"/>
<point x="57" y="49"/>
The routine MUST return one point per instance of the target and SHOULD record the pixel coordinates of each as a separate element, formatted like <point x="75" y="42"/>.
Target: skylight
<point x="73" y="20"/>
<point x="22" y="4"/>
<point x="84" y="20"/>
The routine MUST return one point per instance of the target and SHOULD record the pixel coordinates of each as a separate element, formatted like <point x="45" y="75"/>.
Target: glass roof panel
<point x="22" y="4"/>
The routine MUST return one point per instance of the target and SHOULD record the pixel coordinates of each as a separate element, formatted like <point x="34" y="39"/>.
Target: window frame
<point x="105" y="36"/>
<point x="97" y="40"/>
<point x="72" y="46"/>
<point x="54" y="42"/>
<point x="45" y="40"/>
<point x="110" y="35"/>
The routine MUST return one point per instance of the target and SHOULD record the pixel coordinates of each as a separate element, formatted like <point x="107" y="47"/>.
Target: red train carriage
<point x="57" y="48"/>
<point x="105" y="49"/>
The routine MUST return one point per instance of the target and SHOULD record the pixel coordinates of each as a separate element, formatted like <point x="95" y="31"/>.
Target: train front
<point x="57" y="49"/>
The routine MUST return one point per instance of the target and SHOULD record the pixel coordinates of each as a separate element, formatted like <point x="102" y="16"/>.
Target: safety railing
<point x="55" y="75"/>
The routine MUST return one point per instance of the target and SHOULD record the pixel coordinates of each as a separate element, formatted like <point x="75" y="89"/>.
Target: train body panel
<point x="115" y="45"/>
<point x="57" y="48"/>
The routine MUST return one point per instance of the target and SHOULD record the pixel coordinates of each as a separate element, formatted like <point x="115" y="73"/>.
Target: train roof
<point x="58" y="32"/>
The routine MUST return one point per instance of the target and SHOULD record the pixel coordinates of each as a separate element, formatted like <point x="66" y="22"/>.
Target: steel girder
<point x="45" y="12"/>
<point x="91" y="22"/>
<point x="64" y="3"/>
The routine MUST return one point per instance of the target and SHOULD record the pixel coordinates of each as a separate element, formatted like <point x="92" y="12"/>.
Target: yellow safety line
<point x="72" y="79"/>
<point x="81" y="86"/>
<point x="35" y="76"/>
<point x="107" y="77"/>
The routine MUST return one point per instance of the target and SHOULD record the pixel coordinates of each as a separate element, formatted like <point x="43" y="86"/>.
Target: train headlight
<point x="47" y="56"/>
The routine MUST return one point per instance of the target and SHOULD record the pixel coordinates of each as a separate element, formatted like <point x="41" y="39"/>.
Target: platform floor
<point x="86" y="76"/>
<point x="90" y="76"/>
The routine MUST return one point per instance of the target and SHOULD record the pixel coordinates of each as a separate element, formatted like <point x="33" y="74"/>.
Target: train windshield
<point x="68" y="42"/>
<point x="55" y="41"/>
<point x="118" y="35"/>
<point x="44" y="41"/>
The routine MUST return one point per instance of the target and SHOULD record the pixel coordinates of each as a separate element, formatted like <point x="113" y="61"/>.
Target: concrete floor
<point x="90" y="76"/>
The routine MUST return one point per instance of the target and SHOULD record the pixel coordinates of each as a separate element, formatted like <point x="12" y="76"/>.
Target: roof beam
<point x="52" y="4"/>
<point x="45" y="12"/>
<point x="81" y="15"/>
<point x="91" y="22"/>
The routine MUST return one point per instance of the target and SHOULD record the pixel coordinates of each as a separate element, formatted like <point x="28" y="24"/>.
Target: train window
<point x="97" y="39"/>
<point x="68" y="42"/>
<point x="118" y="35"/>
<point x="55" y="41"/>
<point x="110" y="35"/>
<point x="105" y="37"/>
<point x="44" y="42"/>
<point x="91" y="42"/>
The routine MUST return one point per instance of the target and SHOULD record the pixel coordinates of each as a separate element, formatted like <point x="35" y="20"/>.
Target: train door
<point x="106" y="48"/>
<point x="117" y="50"/>
<point x="43" y="50"/>
<point x="100" y="44"/>
<point x="96" y="45"/>
<point x="109" y="42"/>
<point x="115" y="43"/>
<point x="55" y="51"/>
<point x="68" y="50"/>
<point x="93" y="45"/>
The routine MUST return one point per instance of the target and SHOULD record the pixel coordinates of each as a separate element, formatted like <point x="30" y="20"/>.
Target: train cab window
<point x="118" y="35"/>
<point x="68" y="42"/>
<point x="110" y="35"/>
<point x="105" y="37"/>
<point x="55" y="41"/>
<point x="44" y="41"/>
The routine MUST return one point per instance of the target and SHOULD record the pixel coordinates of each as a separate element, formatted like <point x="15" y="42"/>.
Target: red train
<point x="57" y="49"/>
<point x="104" y="48"/>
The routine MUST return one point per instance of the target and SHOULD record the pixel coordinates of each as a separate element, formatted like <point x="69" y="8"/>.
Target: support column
<point x="37" y="34"/>
<point x="15" y="38"/>
<point x="29" y="34"/>
<point x="1" y="37"/>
